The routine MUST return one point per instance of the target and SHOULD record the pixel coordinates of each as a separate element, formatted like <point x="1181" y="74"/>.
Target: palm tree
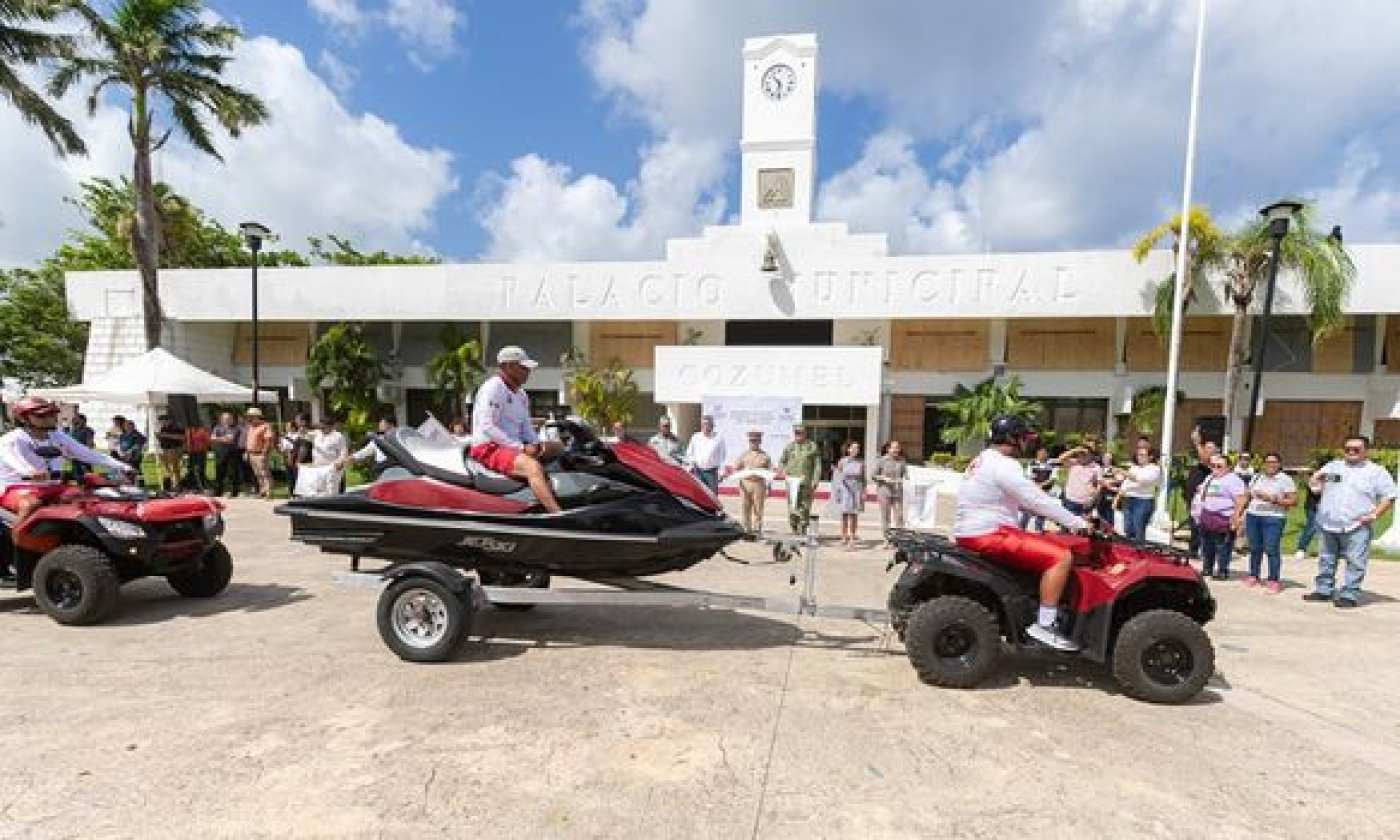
<point x="20" y="46"/>
<point x="1206" y="254"/>
<point x="973" y="410"/>
<point x="1148" y="406"/>
<point x="457" y="370"/>
<point x="343" y="366"/>
<point x="1320" y="263"/>
<point x="169" y="59"/>
<point x="601" y="396"/>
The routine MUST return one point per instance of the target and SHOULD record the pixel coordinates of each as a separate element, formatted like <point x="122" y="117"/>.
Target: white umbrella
<point x="150" y="379"/>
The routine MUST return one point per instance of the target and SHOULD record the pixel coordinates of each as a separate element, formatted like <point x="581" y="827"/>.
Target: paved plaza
<point x="276" y="710"/>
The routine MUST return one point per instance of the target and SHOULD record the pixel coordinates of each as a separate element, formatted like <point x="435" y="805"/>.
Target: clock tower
<point x="779" y="131"/>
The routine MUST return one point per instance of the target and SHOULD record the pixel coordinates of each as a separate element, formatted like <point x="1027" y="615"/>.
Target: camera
<point x="1329" y="476"/>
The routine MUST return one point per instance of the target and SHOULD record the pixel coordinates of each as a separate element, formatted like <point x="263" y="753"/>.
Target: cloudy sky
<point x="498" y="130"/>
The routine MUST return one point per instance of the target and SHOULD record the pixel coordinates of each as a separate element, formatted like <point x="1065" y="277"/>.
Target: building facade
<point x="780" y="305"/>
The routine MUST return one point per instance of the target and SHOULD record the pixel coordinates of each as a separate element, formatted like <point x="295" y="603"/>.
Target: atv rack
<point x="612" y="591"/>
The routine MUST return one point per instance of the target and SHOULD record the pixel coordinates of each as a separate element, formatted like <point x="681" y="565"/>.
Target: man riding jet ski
<point x="994" y="491"/>
<point x="623" y="510"/>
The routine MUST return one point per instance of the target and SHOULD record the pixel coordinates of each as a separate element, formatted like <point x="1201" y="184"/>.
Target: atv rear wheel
<point x="421" y="620"/>
<point x="953" y="642"/>
<point x="1163" y="656"/>
<point x="209" y="577"/>
<point x="515" y="580"/>
<point x="76" y="584"/>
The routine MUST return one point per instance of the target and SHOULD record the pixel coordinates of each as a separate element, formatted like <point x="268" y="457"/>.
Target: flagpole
<point x="1162" y="519"/>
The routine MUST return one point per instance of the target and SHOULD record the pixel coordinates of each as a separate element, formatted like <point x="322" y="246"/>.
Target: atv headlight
<point x="211" y="520"/>
<point x="121" y="528"/>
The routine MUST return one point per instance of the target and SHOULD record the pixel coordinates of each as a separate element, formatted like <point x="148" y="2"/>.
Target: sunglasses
<point x="1220" y="465"/>
<point x="1353" y="449"/>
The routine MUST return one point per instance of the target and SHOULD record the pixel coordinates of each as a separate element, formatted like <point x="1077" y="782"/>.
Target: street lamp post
<point x="1279" y="214"/>
<point x="254" y="233"/>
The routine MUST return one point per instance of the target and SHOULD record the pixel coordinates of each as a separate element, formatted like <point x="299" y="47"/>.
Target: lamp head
<point x="254" y="233"/>
<point x="1279" y="214"/>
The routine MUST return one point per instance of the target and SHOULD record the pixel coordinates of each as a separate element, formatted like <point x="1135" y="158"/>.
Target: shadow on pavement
<point x="152" y="601"/>
<point x="1049" y="670"/>
<point x="498" y="634"/>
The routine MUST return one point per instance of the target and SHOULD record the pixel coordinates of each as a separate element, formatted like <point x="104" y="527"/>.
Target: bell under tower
<point x="778" y="138"/>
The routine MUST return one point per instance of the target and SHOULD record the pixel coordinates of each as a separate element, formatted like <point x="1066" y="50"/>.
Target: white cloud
<point x="540" y="211"/>
<point x="315" y="168"/>
<point x="1015" y="125"/>
<point x="345" y="16"/>
<point x="887" y="191"/>
<point x="341" y="75"/>
<point x="427" y="28"/>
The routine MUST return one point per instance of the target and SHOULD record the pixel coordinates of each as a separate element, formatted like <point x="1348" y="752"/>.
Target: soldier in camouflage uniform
<point x="801" y="459"/>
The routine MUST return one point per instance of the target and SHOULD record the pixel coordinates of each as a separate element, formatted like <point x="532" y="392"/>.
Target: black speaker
<point x="1212" y="428"/>
<point x="184" y="409"/>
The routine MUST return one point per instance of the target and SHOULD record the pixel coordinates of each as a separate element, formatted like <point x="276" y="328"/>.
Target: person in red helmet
<point x="28" y="454"/>
<point x="994" y="491"/>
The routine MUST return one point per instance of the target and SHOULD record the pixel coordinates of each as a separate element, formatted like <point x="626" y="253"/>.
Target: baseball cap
<point x="512" y="353"/>
<point x="253" y="412"/>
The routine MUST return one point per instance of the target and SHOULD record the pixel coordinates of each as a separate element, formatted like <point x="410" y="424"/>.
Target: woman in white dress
<point x="848" y="491"/>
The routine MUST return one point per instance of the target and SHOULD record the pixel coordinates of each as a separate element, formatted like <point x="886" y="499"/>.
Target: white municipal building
<point x="868" y="340"/>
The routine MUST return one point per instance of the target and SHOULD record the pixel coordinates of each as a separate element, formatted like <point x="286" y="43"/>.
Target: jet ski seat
<point x="488" y="481"/>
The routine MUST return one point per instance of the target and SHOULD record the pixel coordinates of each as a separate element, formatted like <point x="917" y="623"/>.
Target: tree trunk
<point x="145" y="234"/>
<point x="1234" y="367"/>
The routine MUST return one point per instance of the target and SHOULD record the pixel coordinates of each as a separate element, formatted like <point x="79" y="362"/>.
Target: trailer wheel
<point x="422" y="620"/>
<point x="515" y="580"/>
<point x="1163" y="656"/>
<point x="952" y="642"/>
<point x="76" y="584"/>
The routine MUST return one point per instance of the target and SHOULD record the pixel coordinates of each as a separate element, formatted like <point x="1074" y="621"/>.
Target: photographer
<point x="1355" y="492"/>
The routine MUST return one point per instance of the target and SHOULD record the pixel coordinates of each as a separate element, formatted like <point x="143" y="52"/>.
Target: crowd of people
<point x="1229" y="497"/>
<point x="1236" y="504"/>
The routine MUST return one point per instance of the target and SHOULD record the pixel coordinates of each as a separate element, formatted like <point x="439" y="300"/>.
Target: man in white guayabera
<point x="504" y="439"/>
<point x="994" y="490"/>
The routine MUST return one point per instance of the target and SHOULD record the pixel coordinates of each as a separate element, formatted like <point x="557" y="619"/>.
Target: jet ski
<point x="627" y="511"/>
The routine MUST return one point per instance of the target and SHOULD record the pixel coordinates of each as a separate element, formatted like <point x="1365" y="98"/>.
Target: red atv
<point x="76" y="550"/>
<point x="1136" y="606"/>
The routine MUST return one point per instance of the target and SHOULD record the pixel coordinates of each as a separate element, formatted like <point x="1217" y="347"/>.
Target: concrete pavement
<point x="276" y="711"/>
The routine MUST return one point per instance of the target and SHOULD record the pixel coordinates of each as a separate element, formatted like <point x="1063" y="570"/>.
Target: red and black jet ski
<point x="626" y="511"/>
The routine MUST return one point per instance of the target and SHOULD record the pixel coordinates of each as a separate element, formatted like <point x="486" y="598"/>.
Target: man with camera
<point x="1354" y="492"/>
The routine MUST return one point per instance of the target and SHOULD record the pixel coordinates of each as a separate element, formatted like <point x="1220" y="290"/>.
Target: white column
<point x="996" y="342"/>
<point x="872" y="434"/>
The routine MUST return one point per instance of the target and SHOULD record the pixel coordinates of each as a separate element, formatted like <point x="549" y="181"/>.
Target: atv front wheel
<point x="515" y="580"/>
<point x="76" y="584"/>
<point x="422" y="620"/>
<point x="1163" y="656"/>
<point x="209" y="577"/>
<point x="953" y="642"/>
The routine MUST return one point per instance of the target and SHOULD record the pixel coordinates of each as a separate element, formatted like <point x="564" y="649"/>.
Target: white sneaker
<point x="1051" y="637"/>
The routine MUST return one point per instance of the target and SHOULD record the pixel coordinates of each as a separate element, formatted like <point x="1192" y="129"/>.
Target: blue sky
<point x="596" y="129"/>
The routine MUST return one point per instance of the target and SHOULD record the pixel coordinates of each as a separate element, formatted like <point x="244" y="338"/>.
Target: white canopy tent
<point x="150" y="379"/>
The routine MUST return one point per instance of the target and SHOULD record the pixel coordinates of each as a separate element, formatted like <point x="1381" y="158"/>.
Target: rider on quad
<point x="27" y="452"/>
<point x="993" y="492"/>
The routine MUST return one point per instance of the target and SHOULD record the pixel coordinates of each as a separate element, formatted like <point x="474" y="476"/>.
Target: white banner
<point x="821" y="375"/>
<point x="735" y="416"/>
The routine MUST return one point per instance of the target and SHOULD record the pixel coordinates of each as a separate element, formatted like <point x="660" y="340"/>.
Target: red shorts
<point x="15" y="494"/>
<point x="495" y="457"/>
<point x="1018" y="549"/>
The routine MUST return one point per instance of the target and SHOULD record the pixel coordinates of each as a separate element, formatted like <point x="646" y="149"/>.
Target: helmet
<point x="34" y="407"/>
<point x="1010" y="428"/>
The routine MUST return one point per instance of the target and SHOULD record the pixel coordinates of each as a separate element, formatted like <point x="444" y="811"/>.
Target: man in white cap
<point x="504" y="439"/>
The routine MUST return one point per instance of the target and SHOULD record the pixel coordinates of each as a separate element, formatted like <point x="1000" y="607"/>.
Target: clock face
<point x="778" y="81"/>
